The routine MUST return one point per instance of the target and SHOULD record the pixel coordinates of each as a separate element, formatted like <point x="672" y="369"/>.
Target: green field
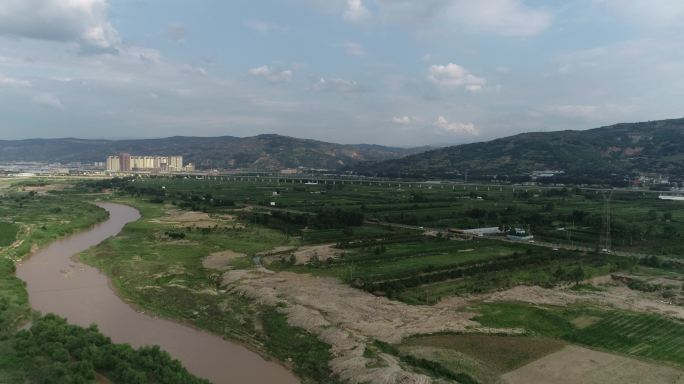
<point x="653" y="337"/>
<point x="8" y="233"/>
<point x="640" y="222"/>
<point x="497" y="353"/>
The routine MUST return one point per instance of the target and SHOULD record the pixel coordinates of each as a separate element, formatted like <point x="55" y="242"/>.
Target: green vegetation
<point x="308" y="355"/>
<point x="499" y="353"/>
<point x="429" y="367"/>
<point x="649" y="336"/>
<point x="8" y="233"/>
<point x="52" y="351"/>
<point x="640" y="223"/>
<point x="420" y="270"/>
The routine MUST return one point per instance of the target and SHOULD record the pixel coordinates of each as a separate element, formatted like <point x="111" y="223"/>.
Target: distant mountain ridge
<point x="266" y="152"/>
<point x="611" y="152"/>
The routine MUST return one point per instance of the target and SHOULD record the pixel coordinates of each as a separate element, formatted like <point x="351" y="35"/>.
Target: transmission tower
<point x="606" y="242"/>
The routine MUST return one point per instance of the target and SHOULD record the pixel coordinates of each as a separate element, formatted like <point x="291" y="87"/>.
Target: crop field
<point x="422" y="270"/>
<point x="397" y="260"/>
<point x="648" y="336"/>
<point x="499" y="353"/>
<point x="640" y="222"/>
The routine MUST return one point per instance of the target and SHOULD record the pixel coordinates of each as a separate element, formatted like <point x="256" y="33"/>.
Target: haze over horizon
<point x="401" y="73"/>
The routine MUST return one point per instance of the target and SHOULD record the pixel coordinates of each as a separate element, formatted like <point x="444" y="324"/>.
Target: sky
<point x="391" y="72"/>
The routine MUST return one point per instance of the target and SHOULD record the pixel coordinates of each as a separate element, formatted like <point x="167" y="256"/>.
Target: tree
<point x="578" y="274"/>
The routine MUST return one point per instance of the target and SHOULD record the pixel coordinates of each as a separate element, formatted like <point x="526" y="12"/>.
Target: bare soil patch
<point x="221" y="260"/>
<point x="617" y="296"/>
<point x="195" y="219"/>
<point x="582" y="322"/>
<point x="323" y="252"/>
<point x="276" y="250"/>
<point x="44" y="189"/>
<point x="577" y="365"/>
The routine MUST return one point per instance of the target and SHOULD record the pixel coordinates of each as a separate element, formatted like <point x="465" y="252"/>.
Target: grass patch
<point x="503" y="353"/>
<point x="430" y="367"/>
<point x="643" y="335"/>
<point x="8" y="233"/>
<point x="309" y="356"/>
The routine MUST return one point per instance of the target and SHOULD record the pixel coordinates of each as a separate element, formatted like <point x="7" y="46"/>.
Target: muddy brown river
<point x="82" y="294"/>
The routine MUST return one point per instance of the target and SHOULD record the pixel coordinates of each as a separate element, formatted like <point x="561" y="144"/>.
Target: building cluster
<point x="128" y="163"/>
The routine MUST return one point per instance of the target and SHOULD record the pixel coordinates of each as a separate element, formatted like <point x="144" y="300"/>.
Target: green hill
<point x="609" y="153"/>
<point x="265" y="152"/>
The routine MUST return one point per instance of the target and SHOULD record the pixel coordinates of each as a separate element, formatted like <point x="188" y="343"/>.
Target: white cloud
<point x="11" y="81"/>
<point x="354" y="49"/>
<point x="455" y="128"/>
<point x="356" y="11"/>
<point x="48" y="100"/>
<point x="338" y="85"/>
<point x="402" y="120"/>
<point x="452" y="76"/>
<point x="83" y="22"/>
<point x="272" y="75"/>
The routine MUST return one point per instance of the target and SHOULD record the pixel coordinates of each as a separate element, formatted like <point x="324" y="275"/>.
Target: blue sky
<point x="394" y="72"/>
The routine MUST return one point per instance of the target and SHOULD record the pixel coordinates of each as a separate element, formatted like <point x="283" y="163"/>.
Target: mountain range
<point x="612" y="153"/>
<point x="265" y="152"/>
<point x="615" y="152"/>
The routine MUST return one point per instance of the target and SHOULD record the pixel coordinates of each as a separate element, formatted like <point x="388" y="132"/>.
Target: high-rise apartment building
<point x="113" y="164"/>
<point x="126" y="163"/>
